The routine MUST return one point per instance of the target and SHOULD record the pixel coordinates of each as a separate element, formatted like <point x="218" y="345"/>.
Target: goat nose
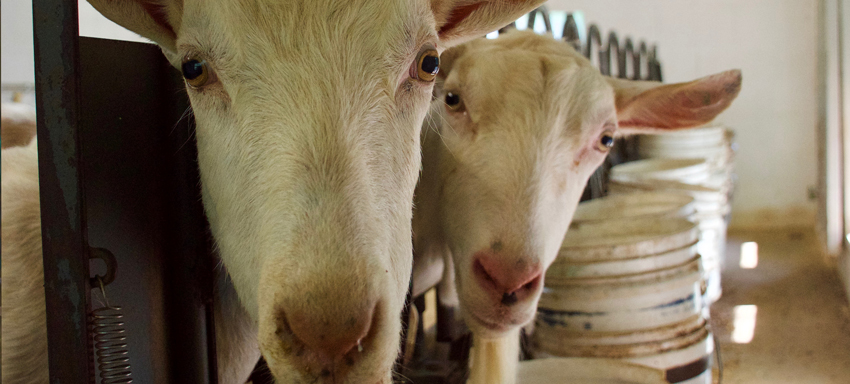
<point x="508" y="282"/>
<point x="330" y="341"/>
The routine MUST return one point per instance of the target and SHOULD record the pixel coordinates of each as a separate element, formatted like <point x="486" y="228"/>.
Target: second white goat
<point x="519" y="125"/>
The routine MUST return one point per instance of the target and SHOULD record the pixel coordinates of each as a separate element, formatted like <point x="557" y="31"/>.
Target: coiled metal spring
<point x="110" y="343"/>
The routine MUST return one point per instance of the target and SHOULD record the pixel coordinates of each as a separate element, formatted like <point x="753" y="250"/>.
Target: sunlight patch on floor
<point x="749" y="255"/>
<point x="744" y="323"/>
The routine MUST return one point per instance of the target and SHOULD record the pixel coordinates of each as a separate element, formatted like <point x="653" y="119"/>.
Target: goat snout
<point x="330" y="345"/>
<point x="505" y="281"/>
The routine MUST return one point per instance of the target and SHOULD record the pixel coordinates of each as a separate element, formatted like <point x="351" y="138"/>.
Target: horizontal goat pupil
<point x="192" y="69"/>
<point x="431" y="64"/>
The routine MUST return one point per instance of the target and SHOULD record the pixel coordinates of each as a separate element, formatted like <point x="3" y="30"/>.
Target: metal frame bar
<point x="64" y="237"/>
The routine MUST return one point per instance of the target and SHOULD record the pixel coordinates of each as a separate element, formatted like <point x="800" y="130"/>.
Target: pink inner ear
<point x="710" y="90"/>
<point x="683" y="105"/>
<point x="457" y="15"/>
<point x="159" y="15"/>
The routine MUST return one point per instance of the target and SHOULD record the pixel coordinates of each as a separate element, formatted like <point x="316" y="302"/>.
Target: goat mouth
<point x="503" y="321"/>
<point x="495" y="326"/>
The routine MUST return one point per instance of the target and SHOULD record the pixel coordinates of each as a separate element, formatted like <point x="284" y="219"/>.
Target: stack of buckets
<point x="698" y="162"/>
<point x="628" y="284"/>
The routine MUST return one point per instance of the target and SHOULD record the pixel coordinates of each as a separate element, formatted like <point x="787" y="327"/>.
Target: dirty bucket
<point x="624" y="239"/>
<point x="712" y="144"/>
<point x="682" y="350"/>
<point x="623" y="275"/>
<point x="706" y="199"/>
<point x="712" y="248"/>
<point x="635" y="206"/>
<point x="687" y="138"/>
<point x="712" y="206"/>
<point x="687" y="170"/>
<point x="634" y="302"/>
<point x="629" y="288"/>
<point x="587" y="371"/>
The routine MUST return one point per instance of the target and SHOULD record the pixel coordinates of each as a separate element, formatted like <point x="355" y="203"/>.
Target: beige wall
<point x="17" y="44"/>
<point x="774" y="42"/>
<point x="16" y="50"/>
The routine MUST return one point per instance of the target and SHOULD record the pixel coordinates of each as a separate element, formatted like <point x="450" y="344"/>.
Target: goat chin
<point x="494" y="361"/>
<point x="237" y="350"/>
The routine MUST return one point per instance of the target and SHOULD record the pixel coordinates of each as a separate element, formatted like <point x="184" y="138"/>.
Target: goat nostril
<point x="507" y="283"/>
<point x="509" y="298"/>
<point x="483" y="272"/>
<point x="533" y="283"/>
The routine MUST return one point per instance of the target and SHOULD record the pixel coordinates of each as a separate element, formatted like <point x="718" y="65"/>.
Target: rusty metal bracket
<point x="111" y="265"/>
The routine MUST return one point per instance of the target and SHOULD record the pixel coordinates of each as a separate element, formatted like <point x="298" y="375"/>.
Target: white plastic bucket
<point x="621" y="303"/>
<point x="687" y="138"/>
<point x="563" y="267"/>
<point x="683" y="350"/>
<point x="688" y="170"/>
<point x="635" y="206"/>
<point x="616" y="275"/>
<point x="712" y="144"/>
<point x="587" y="371"/>
<point x="712" y="248"/>
<point x="718" y="157"/>
<point x="625" y="239"/>
<point x="707" y="199"/>
<point x="711" y="206"/>
<point x="689" y="365"/>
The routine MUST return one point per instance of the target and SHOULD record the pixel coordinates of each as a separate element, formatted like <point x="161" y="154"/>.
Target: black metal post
<point x="570" y="34"/>
<point x="64" y="237"/>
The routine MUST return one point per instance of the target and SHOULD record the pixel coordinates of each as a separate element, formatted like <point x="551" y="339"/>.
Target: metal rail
<point x="64" y="233"/>
<point x="118" y="170"/>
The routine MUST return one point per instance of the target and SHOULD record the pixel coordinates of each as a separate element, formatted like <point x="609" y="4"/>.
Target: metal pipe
<point x="654" y="66"/>
<point x="643" y="62"/>
<point x="571" y="35"/>
<point x="594" y="40"/>
<point x="629" y="56"/>
<point x="64" y="235"/>
<point x="532" y="17"/>
<point x="614" y="47"/>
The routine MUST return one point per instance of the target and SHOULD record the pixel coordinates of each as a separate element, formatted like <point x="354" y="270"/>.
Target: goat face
<point x="308" y="116"/>
<point x="525" y="120"/>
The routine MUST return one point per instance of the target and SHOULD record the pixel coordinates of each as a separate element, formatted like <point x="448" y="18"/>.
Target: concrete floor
<point x="802" y="324"/>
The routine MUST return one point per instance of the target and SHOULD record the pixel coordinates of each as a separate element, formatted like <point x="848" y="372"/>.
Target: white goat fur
<point x="308" y="146"/>
<point x="504" y="173"/>
<point x="24" y="332"/>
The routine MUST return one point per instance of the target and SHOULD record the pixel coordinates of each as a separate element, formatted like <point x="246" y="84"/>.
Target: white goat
<point x="308" y="115"/>
<point x="519" y="125"/>
<point x="24" y="332"/>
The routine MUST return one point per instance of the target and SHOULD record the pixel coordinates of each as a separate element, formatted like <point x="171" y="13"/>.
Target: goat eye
<point x="196" y="72"/>
<point x="453" y="101"/>
<point x="427" y="65"/>
<point x="606" y="141"/>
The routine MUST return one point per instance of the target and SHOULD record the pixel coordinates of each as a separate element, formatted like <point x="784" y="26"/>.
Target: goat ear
<point x="462" y="20"/>
<point x="158" y="20"/>
<point x="647" y="107"/>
